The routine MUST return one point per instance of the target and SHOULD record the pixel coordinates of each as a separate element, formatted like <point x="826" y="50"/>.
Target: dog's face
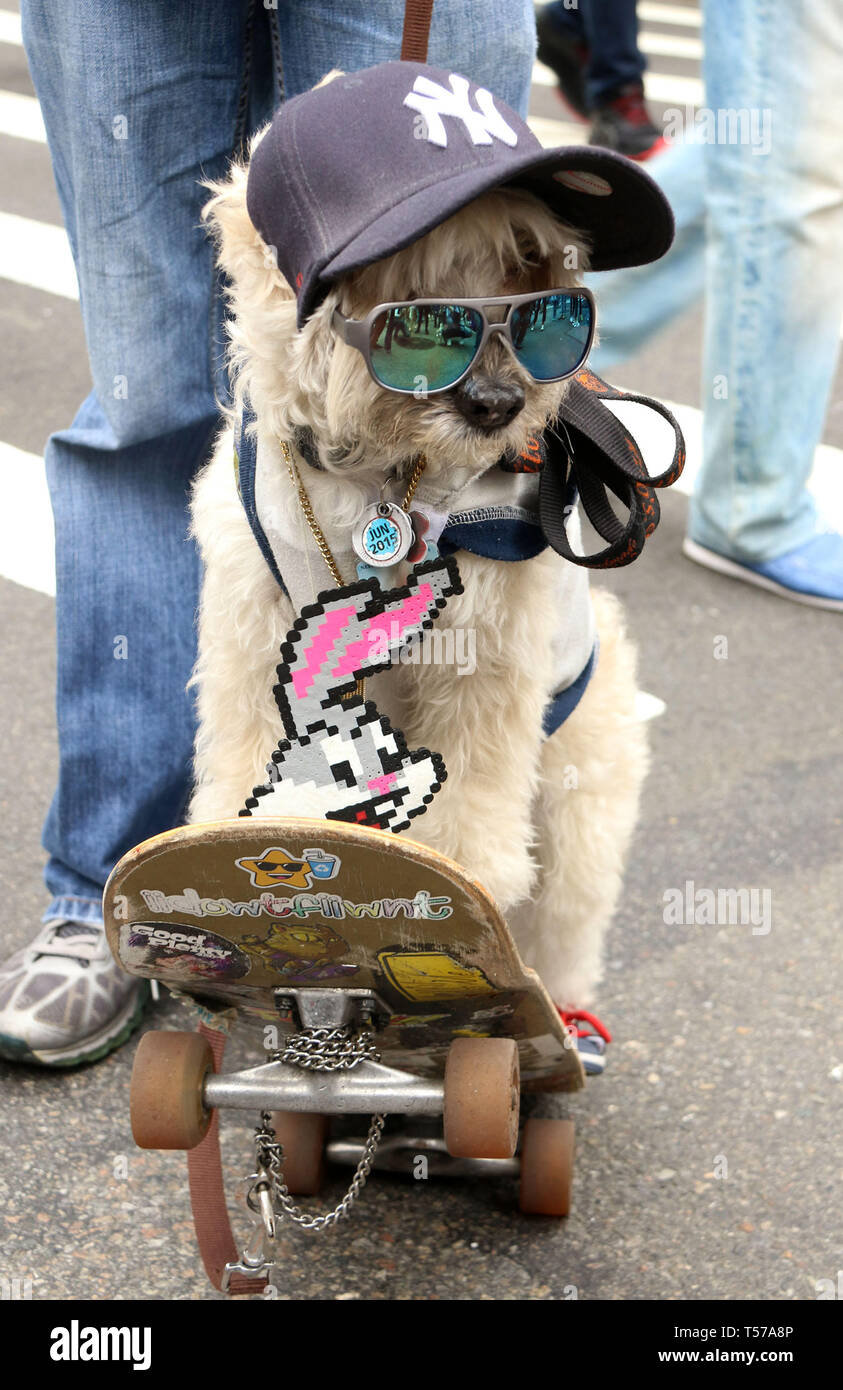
<point x="506" y="242"/>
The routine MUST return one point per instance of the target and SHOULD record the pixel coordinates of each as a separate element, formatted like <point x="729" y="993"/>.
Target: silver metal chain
<point x="313" y="1049"/>
<point x="270" y="1159"/>
<point x="328" y="1049"/>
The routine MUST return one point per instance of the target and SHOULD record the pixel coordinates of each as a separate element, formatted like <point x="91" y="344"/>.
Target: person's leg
<point x="493" y="43"/>
<point x="774" y="271"/>
<point x="609" y="31"/>
<point x="562" y="47"/>
<point x="567" y="19"/>
<point x="615" y="81"/>
<point x="633" y="305"/>
<point x="615" y="60"/>
<point x="137" y="112"/>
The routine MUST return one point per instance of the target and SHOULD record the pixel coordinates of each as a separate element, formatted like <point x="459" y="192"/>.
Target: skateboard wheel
<point x="482" y="1098"/>
<point x="165" y="1099"/>
<point x="302" y="1137"/>
<point x="547" y="1167"/>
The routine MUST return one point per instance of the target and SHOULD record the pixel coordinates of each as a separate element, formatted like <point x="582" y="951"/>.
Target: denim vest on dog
<point x="511" y="513"/>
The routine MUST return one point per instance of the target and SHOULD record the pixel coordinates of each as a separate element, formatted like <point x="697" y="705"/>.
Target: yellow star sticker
<point x="276" y="867"/>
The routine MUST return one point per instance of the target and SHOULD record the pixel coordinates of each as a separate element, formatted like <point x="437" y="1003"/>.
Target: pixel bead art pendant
<point x="340" y="759"/>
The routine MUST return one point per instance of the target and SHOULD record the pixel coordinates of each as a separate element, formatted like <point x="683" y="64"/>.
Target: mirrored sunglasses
<point x="423" y="346"/>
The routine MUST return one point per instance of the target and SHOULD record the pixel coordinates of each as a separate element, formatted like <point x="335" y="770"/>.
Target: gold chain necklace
<point x="319" y="535"/>
<point x="307" y="506"/>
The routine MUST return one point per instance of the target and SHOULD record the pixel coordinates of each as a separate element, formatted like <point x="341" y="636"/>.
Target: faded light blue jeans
<point x="141" y="103"/>
<point x="760" y="229"/>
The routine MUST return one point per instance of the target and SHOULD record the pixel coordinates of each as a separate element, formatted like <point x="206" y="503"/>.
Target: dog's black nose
<point x="487" y="404"/>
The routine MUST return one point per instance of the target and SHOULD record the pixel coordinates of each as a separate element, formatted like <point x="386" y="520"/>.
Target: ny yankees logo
<point x="435" y="101"/>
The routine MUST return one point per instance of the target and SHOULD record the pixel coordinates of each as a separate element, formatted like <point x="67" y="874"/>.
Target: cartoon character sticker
<point x="277" y="868"/>
<point x="304" y="952"/>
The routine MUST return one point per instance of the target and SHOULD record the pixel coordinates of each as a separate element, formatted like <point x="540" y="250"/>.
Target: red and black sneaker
<point x="590" y="1041"/>
<point x="623" y="124"/>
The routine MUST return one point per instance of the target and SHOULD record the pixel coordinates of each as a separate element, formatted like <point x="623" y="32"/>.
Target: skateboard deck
<point x="234" y="911"/>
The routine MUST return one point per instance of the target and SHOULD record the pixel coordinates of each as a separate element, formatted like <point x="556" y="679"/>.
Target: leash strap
<point x="245" y="473"/>
<point x="211" y="1223"/>
<point x="592" y="449"/>
<point x="417" y="17"/>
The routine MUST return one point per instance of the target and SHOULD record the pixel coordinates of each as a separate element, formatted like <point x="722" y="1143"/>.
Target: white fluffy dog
<point x="543" y="823"/>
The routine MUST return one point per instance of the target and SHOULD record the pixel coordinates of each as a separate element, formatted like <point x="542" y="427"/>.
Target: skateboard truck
<point x="398" y="1153"/>
<point x="335" y="1040"/>
<point x="333" y="1008"/>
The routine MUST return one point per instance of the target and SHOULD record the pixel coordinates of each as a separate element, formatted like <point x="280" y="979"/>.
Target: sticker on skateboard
<point x="181" y="953"/>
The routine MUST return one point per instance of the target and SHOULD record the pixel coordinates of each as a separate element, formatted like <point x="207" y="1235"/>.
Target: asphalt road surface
<point x="709" y="1157"/>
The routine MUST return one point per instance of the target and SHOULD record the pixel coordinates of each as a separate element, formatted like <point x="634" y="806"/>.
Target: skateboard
<point x="384" y="980"/>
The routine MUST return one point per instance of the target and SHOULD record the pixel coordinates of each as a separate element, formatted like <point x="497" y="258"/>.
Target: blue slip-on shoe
<point x="811" y="574"/>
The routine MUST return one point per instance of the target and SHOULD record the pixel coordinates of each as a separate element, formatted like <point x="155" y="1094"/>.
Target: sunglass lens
<point x="424" y="347"/>
<point x="551" y="334"/>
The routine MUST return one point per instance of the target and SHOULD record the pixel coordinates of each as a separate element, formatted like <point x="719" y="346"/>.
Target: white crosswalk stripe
<point x="20" y="117"/>
<point x="684" y="17"/>
<point x="552" y="133"/>
<point x="26" y="521"/>
<point x="670" y="46"/>
<point x="36" y="254"/>
<point x="10" y="27"/>
<point x="658" y="86"/>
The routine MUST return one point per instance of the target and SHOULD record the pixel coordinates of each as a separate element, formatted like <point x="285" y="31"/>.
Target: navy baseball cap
<point x="361" y="167"/>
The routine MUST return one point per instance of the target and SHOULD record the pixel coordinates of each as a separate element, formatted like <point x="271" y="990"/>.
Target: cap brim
<point x="619" y="207"/>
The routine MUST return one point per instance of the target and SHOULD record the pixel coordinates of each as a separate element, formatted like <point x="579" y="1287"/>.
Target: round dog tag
<point x="383" y="535"/>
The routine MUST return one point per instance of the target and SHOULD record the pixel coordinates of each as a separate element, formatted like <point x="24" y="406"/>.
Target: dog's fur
<point x="551" y="854"/>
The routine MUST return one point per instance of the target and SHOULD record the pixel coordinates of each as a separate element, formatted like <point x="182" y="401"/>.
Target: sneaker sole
<point x="91" y="1049"/>
<point x="719" y="563"/>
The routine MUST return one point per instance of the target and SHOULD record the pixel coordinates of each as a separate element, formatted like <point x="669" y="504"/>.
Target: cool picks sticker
<point x="182" y="953"/>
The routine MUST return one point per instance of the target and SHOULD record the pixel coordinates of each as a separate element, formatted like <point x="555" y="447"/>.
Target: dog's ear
<point x="249" y="263"/>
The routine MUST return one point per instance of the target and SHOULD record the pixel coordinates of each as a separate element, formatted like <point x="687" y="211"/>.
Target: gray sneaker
<point x="64" y="999"/>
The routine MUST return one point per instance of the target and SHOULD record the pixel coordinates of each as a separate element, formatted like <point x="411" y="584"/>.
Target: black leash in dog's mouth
<point x="600" y="456"/>
<point x="588" y="452"/>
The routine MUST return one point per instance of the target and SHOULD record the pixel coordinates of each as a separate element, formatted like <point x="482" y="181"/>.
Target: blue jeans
<point x="609" y="29"/>
<point x="761" y="229"/>
<point x="140" y="102"/>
